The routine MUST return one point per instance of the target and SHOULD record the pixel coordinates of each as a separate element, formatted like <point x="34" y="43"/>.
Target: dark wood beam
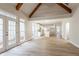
<point x="65" y="7"/>
<point x="18" y="6"/>
<point x="35" y="9"/>
<point x="67" y="3"/>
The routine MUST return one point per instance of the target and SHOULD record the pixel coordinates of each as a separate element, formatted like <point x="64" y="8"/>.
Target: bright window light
<point x="67" y="27"/>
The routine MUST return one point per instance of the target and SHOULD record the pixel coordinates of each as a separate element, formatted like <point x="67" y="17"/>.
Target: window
<point x="35" y="30"/>
<point x="67" y="27"/>
<point x="22" y="30"/>
<point x="11" y="31"/>
<point x="1" y="33"/>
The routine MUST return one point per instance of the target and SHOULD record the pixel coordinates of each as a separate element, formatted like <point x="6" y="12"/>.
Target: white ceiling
<point x="50" y="9"/>
<point x="27" y="8"/>
<point x="45" y="10"/>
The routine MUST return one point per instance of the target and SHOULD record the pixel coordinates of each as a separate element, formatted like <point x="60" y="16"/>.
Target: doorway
<point x="12" y="32"/>
<point x="1" y="35"/>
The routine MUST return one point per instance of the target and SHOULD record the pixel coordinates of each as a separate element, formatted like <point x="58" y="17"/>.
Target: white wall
<point x="73" y="30"/>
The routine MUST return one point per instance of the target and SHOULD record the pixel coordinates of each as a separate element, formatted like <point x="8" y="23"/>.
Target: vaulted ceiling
<point x="44" y="11"/>
<point x="41" y="12"/>
<point x="34" y="10"/>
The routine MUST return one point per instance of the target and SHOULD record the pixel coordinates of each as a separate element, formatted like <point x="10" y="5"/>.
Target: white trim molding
<point x="73" y="43"/>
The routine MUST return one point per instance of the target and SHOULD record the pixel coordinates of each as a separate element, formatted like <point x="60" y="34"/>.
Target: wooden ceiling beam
<point x="65" y="7"/>
<point x="35" y="9"/>
<point x="18" y="6"/>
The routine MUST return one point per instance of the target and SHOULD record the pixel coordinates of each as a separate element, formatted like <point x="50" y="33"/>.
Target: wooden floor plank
<point x="44" y="47"/>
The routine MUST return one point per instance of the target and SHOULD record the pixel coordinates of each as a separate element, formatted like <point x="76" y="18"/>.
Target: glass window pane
<point x="22" y="26"/>
<point x="22" y="30"/>
<point x="12" y="23"/>
<point x="12" y="28"/>
<point x="1" y="33"/>
<point x="1" y="21"/>
<point x="22" y="36"/>
<point x="12" y="37"/>
<point x="1" y="41"/>
<point x="11" y="32"/>
<point x="1" y="27"/>
<point x="1" y="38"/>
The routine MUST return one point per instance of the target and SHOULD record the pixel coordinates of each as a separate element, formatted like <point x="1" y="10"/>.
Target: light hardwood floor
<point x="44" y="47"/>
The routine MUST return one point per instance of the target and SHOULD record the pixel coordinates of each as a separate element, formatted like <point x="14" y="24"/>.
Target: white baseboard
<point x="73" y="43"/>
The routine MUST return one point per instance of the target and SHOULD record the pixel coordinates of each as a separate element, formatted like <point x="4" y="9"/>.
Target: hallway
<point x="44" y="47"/>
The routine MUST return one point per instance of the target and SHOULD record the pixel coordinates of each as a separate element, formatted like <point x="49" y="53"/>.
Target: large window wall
<point x="10" y="36"/>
